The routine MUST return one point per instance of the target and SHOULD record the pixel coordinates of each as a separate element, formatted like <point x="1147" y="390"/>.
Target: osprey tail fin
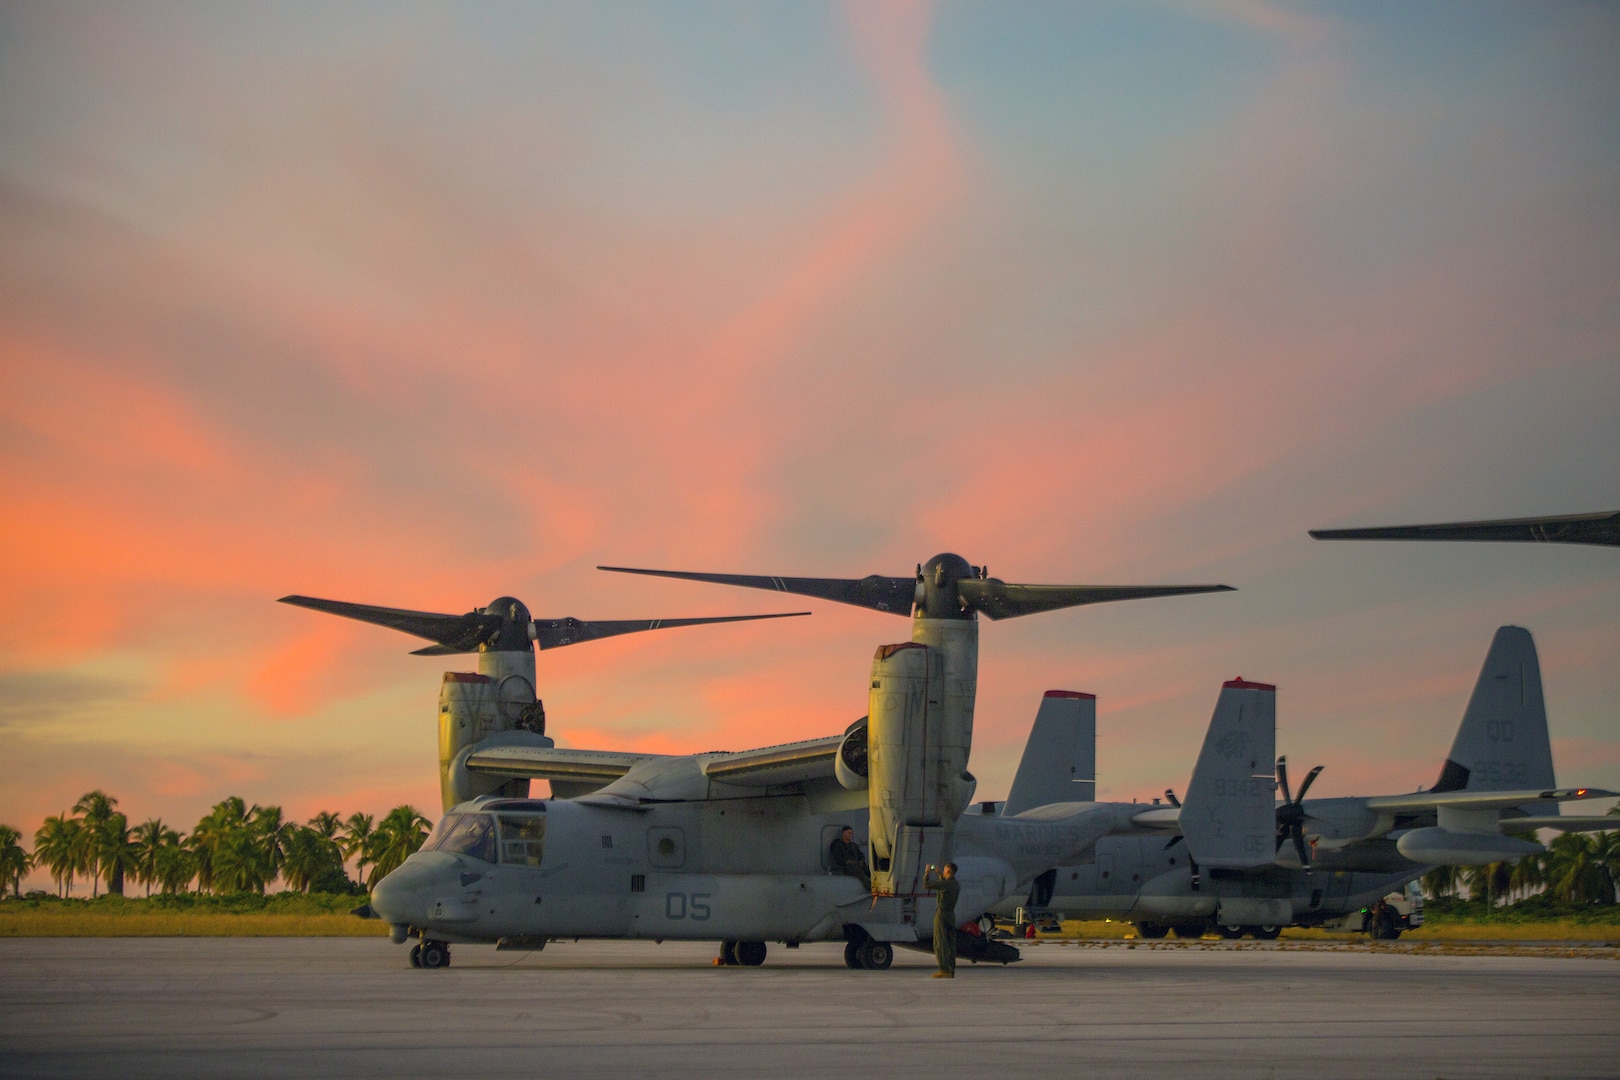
<point x="1060" y="759"/>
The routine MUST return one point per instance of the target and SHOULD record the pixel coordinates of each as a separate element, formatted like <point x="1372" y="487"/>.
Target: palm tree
<point x="175" y="864"/>
<point x="1441" y="881"/>
<point x="228" y="817"/>
<point x="272" y="834"/>
<point x="1529" y="875"/>
<point x="239" y="863"/>
<point x="399" y="835"/>
<point x="57" y="847"/>
<point x="1489" y="882"/>
<point x="1575" y="873"/>
<point x="327" y="825"/>
<point x="115" y="853"/>
<point x="149" y="839"/>
<point x="312" y="859"/>
<point x="95" y="810"/>
<point x="355" y="840"/>
<point x="1606" y="854"/>
<point x="14" y="861"/>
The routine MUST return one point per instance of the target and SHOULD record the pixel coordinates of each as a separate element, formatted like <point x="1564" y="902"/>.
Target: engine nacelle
<point x="852" y="765"/>
<point x="474" y="708"/>
<point x="918" y="751"/>
<point x="1451" y="847"/>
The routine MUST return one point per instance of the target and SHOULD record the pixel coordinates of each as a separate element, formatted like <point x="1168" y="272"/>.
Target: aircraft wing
<point x="1562" y="824"/>
<point x="555" y="763"/>
<point x="1479" y="800"/>
<point x="769" y="766"/>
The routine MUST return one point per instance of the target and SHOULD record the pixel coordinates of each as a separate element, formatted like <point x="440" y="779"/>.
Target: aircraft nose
<point x="400" y="898"/>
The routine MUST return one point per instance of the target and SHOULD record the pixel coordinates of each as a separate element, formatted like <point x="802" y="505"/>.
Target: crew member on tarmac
<point x="847" y="858"/>
<point x="946" y="889"/>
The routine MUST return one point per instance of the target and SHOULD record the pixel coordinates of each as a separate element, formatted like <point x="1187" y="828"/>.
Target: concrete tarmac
<point x="351" y="1007"/>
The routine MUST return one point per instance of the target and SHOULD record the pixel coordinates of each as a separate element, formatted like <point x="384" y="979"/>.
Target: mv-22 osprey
<point x="734" y="847"/>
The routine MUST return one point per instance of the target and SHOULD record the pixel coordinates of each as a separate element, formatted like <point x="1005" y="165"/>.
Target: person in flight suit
<point x="946" y="889"/>
<point x="847" y="858"/>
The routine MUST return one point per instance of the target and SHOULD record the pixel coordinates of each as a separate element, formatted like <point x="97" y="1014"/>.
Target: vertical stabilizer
<point x="1502" y="743"/>
<point x="1060" y="759"/>
<point x="1229" y="816"/>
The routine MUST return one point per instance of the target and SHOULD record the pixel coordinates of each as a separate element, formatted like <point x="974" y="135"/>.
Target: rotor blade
<point x="1310" y="778"/>
<point x="1300" y="848"/>
<point x="891" y="594"/>
<point x="455" y="633"/>
<point x="1282" y="778"/>
<point x="1600" y="528"/>
<point x="555" y="633"/>
<point x="999" y="600"/>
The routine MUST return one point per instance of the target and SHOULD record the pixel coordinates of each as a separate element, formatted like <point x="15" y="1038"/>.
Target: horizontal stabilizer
<point x="1229" y="813"/>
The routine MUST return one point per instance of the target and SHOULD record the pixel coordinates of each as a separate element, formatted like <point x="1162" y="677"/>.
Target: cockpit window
<point x="472" y="835"/>
<point x="523" y="838"/>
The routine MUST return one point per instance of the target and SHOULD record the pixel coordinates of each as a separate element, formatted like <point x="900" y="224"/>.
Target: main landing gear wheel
<point x="750" y="953"/>
<point x="728" y="954"/>
<point x="1230" y="933"/>
<point x="433" y="954"/>
<point x="1189" y="931"/>
<point x="1265" y="933"/>
<point x="875" y="955"/>
<point x="1151" y="930"/>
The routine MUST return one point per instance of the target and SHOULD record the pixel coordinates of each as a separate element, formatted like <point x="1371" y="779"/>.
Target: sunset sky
<point x="421" y="305"/>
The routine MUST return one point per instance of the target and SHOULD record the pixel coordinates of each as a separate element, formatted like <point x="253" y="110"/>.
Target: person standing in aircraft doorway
<point x="946" y="889"/>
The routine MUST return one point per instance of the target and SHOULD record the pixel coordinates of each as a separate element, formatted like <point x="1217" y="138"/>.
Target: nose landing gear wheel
<point x="728" y="954"/>
<point x="852" y="955"/>
<point x="750" y="953"/>
<point x="434" y="954"/>
<point x="416" y="955"/>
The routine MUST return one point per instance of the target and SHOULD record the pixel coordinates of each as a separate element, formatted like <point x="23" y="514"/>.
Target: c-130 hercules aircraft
<point x="733" y="847"/>
<point x="1243" y="863"/>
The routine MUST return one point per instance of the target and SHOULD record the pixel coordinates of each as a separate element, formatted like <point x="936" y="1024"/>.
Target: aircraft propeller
<point x="1291" y="814"/>
<point x="504" y="625"/>
<point x="945" y="587"/>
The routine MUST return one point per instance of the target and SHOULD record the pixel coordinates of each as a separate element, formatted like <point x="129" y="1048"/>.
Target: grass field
<point x="251" y="915"/>
<point x="299" y="915"/>
<point x="183" y="924"/>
